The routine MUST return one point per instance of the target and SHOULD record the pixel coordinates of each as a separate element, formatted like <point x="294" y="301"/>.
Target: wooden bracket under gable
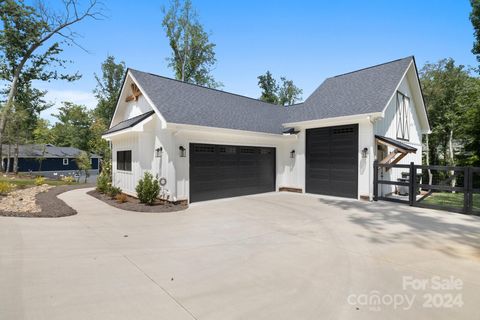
<point x="393" y="157"/>
<point x="135" y="93"/>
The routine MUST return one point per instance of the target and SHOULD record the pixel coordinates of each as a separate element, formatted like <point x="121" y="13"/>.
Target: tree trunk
<point x="15" y="158"/>
<point x="451" y="157"/>
<point x="8" y="159"/>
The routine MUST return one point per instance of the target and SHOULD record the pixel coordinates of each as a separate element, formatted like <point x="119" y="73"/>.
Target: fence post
<point x="375" y="180"/>
<point x="411" y="178"/>
<point x="466" y="190"/>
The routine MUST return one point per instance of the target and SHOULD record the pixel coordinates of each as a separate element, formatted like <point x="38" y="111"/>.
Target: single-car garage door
<point x="220" y="171"/>
<point x="332" y="161"/>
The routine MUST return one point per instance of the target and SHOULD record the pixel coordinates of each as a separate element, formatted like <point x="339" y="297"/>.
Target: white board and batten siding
<point x="388" y="127"/>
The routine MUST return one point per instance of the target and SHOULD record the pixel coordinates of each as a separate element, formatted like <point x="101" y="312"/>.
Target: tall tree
<point x="443" y="88"/>
<point x="73" y="126"/>
<point x="26" y="30"/>
<point x="193" y="55"/>
<point x="285" y="94"/>
<point x="269" y="87"/>
<point x="108" y="88"/>
<point x="288" y="92"/>
<point x="475" y="19"/>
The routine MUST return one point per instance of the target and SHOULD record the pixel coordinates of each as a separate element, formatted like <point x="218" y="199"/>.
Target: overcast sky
<point x="306" y="41"/>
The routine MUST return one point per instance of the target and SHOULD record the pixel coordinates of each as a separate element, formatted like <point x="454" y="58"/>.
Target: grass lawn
<point x="448" y="199"/>
<point x="24" y="181"/>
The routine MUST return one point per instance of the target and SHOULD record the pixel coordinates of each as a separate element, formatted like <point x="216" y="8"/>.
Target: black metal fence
<point x="438" y="187"/>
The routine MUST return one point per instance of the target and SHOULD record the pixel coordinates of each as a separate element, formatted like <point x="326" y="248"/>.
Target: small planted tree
<point x="84" y="164"/>
<point x="148" y="189"/>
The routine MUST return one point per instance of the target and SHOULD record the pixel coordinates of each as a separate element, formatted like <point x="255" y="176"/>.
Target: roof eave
<point x="334" y="120"/>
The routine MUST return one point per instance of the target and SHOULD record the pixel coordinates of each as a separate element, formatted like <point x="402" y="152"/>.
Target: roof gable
<point x="184" y="103"/>
<point x="362" y="92"/>
<point x="359" y="92"/>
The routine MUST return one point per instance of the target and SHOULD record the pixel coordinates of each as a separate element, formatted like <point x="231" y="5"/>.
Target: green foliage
<point x="451" y="95"/>
<point x="112" y="191"/>
<point x="6" y="187"/>
<point x="108" y="88"/>
<point x="269" y="88"/>
<point x="104" y="179"/>
<point x="475" y="19"/>
<point x="73" y="126"/>
<point x="288" y="93"/>
<point x="148" y="189"/>
<point x="103" y="183"/>
<point x="39" y="181"/>
<point x="68" y="180"/>
<point x="84" y="163"/>
<point x="285" y="94"/>
<point x="193" y="54"/>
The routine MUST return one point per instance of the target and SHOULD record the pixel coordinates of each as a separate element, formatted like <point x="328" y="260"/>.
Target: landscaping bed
<point x="38" y="202"/>
<point x="133" y="204"/>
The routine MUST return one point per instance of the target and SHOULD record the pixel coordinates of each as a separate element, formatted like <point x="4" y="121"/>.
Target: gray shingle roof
<point x="184" y="103"/>
<point x="51" y="151"/>
<point x="396" y="143"/>
<point x="129" y="122"/>
<point x="363" y="91"/>
<point x="359" y="92"/>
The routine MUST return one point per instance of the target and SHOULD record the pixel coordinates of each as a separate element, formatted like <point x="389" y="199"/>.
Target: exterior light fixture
<point x="183" y="151"/>
<point x="292" y="154"/>
<point x="364" y="152"/>
<point x="158" y="152"/>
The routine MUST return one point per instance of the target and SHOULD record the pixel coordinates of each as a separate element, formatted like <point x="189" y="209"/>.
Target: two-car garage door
<point x="220" y="171"/>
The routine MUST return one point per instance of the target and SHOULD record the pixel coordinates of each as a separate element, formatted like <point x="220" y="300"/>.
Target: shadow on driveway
<point x="391" y="223"/>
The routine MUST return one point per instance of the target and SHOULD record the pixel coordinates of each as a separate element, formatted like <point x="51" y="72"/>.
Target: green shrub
<point x="147" y="189"/>
<point x="103" y="183"/>
<point x="39" y="180"/>
<point x="112" y="191"/>
<point x="68" y="179"/>
<point x="6" y="187"/>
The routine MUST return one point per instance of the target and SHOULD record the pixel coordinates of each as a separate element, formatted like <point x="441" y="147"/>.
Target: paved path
<point x="271" y="256"/>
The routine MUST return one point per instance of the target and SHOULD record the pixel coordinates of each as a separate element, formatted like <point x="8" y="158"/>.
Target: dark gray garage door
<point x="332" y="161"/>
<point x="220" y="171"/>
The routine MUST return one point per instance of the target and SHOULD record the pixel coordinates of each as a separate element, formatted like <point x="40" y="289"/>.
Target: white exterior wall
<point x="388" y="127"/>
<point x="144" y="138"/>
<point x="285" y="166"/>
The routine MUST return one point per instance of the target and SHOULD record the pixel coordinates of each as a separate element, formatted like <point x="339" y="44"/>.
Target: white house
<point x="211" y="144"/>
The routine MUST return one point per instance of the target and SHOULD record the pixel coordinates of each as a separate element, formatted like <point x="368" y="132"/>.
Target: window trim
<point x="121" y="164"/>
<point x="65" y="161"/>
<point x="402" y="118"/>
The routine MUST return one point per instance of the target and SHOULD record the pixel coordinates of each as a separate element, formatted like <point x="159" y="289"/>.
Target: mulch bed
<point x="51" y="206"/>
<point x="133" y="204"/>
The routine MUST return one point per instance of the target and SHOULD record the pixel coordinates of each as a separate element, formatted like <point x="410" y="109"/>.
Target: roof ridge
<point x="371" y="67"/>
<point x="204" y="87"/>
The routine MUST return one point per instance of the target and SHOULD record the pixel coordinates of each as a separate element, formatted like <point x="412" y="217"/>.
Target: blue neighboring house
<point x="47" y="158"/>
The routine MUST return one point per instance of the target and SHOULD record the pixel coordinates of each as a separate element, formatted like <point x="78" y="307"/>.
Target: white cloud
<point x="85" y="98"/>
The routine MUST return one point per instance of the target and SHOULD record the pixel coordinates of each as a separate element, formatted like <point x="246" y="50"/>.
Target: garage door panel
<point x="219" y="171"/>
<point x="332" y="161"/>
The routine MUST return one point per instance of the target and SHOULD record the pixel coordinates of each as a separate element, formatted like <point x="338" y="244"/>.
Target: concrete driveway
<point x="271" y="256"/>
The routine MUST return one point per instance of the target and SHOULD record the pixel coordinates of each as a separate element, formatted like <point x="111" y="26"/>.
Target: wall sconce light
<point x="364" y="152"/>
<point x="183" y="151"/>
<point x="158" y="152"/>
<point x="292" y="154"/>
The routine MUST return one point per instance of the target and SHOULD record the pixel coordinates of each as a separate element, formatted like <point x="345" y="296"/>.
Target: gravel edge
<point x="51" y="206"/>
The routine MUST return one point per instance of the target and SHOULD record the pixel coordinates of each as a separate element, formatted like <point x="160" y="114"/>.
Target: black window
<point x="403" y="124"/>
<point x="124" y="160"/>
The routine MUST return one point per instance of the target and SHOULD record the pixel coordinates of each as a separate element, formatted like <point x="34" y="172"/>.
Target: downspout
<point x="371" y="155"/>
